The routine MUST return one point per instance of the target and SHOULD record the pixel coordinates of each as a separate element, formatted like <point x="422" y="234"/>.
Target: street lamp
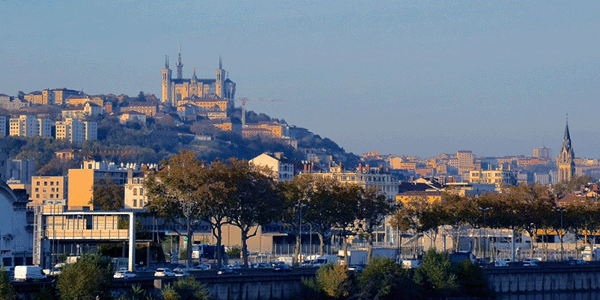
<point x="561" y="210"/>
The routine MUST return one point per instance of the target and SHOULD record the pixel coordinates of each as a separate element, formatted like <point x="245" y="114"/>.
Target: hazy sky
<point x="400" y="77"/>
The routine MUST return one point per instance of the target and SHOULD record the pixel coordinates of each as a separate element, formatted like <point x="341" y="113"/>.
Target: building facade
<point x="47" y="188"/>
<point x="76" y="131"/>
<point x="282" y="169"/>
<point x="176" y="89"/>
<point x="30" y="126"/>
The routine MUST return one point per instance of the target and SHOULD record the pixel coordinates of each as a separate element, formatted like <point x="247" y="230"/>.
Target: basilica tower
<point x="179" y="65"/>
<point x="166" y="82"/>
<point x="219" y="79"/>
<point x="565" y="160"/>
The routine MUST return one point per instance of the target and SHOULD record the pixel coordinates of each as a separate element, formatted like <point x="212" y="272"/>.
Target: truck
<point x="355" y="257"/>
<point x="23" y="273"/>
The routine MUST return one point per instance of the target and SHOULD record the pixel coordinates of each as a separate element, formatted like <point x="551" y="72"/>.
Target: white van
<point x="23" y="273"/>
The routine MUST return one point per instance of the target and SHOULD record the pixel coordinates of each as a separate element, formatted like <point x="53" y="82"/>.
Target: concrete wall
<point x="560" y="281"/>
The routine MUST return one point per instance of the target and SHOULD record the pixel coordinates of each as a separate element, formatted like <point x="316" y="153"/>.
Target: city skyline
<point x="416" y="78"/>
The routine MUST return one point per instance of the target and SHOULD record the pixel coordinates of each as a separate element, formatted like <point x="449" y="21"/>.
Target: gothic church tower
<point x="565" y="160"/>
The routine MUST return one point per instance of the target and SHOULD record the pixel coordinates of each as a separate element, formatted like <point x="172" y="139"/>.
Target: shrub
<point x="333" y="281"/>
<point x="383" y="278"/>
<point x="89" y="277"/>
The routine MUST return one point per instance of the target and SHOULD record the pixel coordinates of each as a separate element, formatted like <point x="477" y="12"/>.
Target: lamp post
<point x="561" y="210"/>
<point x="483" y="211"/>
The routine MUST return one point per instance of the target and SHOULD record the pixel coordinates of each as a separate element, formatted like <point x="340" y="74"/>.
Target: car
<point x="164" y="272"/>
<point x="530" y="263"/>
<point x="579" y="262"/>
<point x="181" y="273"/>
<point x="307" y="263"/>
<point x="124" y="274"/>
<point x="261" y="265"/>
<point x="226" y="271"/>
<point x="186" y="268"/>
<point x="501" y="263"/>
<point x="234" y="266"/>
<point x="281" y="267"/>
<point x="203" y="267"/>
<point x="356" y="269"/>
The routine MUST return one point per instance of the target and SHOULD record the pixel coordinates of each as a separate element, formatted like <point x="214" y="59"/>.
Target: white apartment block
<point x="283" y="170"/>
<point x="76" y="131"/>
<point x="384" y="183"/>
<point x="499" y="177"/>
<point x="30" y="126"/>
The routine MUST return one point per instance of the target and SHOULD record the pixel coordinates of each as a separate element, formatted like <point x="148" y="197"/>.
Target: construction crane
<point x="244" y="99"/>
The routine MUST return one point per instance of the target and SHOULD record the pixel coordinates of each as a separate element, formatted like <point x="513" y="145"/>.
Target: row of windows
<point x="46" y="183"/>
<point x="135" y="191"/>
<point x="52" y="196"/>
<point x="44" y="190"/>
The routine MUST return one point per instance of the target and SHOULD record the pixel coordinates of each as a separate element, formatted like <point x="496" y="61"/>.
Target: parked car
<point x="124" y="274"/>
<point x="203" y="267"/>
<point x="186" y="268"/>
<point x="501" y="263"/>
<point x="356" y="269"/>
<point x="163" y="272"/>
<point x="579" y="262"/>
<point x="281" y="267"/>
<point x="261" y="265"/>
<point x="181" y="273"/>
<point x="530" y="263"/>
<point x="226" y="271"/>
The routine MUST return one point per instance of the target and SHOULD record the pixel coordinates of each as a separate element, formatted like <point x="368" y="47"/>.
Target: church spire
<point x="166" y="61"/>
<point x="567" y="137"/>
<point x="220" y="63"/>
<point x="194" y="78"/>
<point x="179" y="65"/>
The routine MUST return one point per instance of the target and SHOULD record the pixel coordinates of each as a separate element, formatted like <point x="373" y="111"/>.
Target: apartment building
<point x="281" y="168"/>
<point x="30" y="126"/>
<point x="47" y="188"/>
<point x="81" y="181"/>
<point x="499" y="177"/>
<point x="135" y="194"/>
<point x="76" y="131"/>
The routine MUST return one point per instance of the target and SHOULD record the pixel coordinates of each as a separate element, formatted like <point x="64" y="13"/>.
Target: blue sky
<point x="399" y="77"/>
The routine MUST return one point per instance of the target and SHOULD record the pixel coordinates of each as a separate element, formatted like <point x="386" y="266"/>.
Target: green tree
<point x="177" y="193"/>
<point x="333" y="281"/>
<point x="107" y="195"/>
<point x="383" y="278"/>
<point x="434" y="277"/>
<point x="297" y="193"/>
<point x="7" y="290"/>
<point x="471" y="280"/>
<point x="372" y="208"/>
<point x="255" y="201"/>
<point x="89" y="277"/>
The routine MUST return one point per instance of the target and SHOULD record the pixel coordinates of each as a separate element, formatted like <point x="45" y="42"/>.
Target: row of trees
<point x="191" y="193"/>
<point x="534" y="210"/>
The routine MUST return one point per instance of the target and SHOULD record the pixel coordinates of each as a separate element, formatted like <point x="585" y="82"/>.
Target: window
<point x="51" y="182"/>
<point x="51" y="195"/>
<point x="141" y="192"/>
<point x="135" y="192"/>
<point x="38" y="183"/>
<point x="45" y="183"/>
<point x="37" y="189"/>
<point x="134" y="202"/>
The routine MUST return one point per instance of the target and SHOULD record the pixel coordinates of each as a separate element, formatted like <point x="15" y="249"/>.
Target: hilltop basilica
<point x="176" y="89"/>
